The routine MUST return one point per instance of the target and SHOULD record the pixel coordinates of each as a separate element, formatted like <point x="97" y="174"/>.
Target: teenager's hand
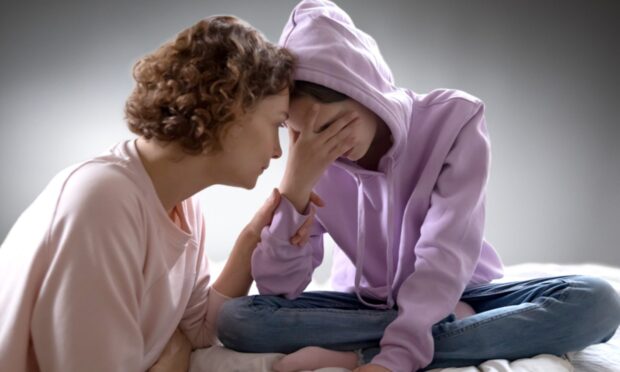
<point x="175" y="356"/>
<point x="371" y="368"/>
<point x="311" y="152"/>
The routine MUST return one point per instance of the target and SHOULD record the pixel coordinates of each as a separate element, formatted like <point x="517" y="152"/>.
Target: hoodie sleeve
<point x="280" y="268"/>
<point x="446" y="253"/>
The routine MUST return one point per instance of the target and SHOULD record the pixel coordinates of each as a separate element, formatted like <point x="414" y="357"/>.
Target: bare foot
<point x="463" y="310"/>
<point x="314" y="357"/>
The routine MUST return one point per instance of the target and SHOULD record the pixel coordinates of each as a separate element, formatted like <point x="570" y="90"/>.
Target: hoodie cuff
<point x="286" y="220"/>
<point x="395" y="359"/>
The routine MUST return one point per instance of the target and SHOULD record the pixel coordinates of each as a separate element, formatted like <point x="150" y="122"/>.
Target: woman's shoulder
<point x="85" y="200"/>
<point x="97" y="186"/>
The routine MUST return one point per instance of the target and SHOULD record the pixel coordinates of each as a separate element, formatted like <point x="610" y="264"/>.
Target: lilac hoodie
<point x="411" y="233"/>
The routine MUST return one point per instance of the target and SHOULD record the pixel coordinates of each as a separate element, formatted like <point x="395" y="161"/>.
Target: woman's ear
<point x="235" y="130"/>
<point x="231" y="135"/>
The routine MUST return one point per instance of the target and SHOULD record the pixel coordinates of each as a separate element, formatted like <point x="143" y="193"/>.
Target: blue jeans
<point x="513" y="320"/>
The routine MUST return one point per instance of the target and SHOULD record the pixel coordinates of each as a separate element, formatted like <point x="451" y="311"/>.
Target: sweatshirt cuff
<point x="215" y="300"/>
<point x="286" y="220"/>
<point x="395" y="359"/>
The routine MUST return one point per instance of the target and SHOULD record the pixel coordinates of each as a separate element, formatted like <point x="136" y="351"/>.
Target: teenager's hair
<point x="316" y="91"/>
<point x="190" y="89"/>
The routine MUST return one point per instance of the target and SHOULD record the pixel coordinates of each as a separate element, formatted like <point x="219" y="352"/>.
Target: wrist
<point x="298" y="196"/>
<point x="249" y="234"/>
<point x="248" y="238"/>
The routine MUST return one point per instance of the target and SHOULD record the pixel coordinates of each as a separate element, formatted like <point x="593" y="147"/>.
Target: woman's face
<point x="253" y="140"/>
<point x="364" y="128"/>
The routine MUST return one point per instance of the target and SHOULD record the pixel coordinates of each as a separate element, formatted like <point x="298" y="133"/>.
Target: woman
<point x="109" y="260"/>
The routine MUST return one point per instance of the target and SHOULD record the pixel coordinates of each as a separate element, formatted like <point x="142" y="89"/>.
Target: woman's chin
<point x="247" y="184"/>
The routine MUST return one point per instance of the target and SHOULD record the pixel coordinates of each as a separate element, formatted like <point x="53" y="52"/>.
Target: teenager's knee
<point x="600" y="305"/>
<point x="234" y="323"/>
<point x="241" y="325"/>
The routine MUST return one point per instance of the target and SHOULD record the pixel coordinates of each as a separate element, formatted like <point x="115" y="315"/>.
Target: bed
<point x="596" y="358"/>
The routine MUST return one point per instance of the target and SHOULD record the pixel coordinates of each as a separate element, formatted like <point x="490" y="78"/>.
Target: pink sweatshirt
<point x="95" y="276"/>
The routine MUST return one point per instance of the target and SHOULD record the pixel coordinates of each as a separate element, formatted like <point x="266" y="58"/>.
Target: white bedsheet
<point x="596" y="358"/>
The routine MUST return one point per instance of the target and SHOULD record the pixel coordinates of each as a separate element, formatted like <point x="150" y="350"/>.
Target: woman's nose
<point x="277" y="151"/>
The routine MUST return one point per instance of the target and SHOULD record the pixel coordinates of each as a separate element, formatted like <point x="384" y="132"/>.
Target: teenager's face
<point x="364" y="128"/>
<point x="253" y="140"/>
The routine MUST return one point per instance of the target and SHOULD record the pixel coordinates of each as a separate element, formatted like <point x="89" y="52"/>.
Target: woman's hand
<point x="371" y="368"/>
<point x="236" y="276"/>
<point x="264" y="216"/>
<point x="175" y="356"/>
<point x="311" y="152"/>
<point x="302" y="235"/>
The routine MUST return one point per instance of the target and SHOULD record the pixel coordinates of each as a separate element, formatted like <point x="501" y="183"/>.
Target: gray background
<point x="547" y="70"/>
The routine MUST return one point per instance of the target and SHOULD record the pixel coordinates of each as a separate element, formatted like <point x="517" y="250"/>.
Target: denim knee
<point x="235" y="324"/>
<point x="599" y="305"/>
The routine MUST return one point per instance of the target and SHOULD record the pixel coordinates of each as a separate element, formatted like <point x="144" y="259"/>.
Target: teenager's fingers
<point x="292" y="136"/>
<point x="339" y="125"/>
<point x="343" y="136"/>
<point x="341" y="148"/>
<point x="310" y="120"/>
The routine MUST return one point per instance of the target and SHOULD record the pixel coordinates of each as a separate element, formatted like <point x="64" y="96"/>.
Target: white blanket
<point x="596" y="358"/>
<point x="220" y="359"/>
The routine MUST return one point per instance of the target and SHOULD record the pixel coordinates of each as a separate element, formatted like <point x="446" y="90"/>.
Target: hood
<point x="333" y="52"/>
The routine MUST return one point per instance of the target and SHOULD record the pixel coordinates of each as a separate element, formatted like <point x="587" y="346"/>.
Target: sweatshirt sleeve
<point x="446" y="254"/>
<point x="200" y="316"/>
<point x="280" y="268"/>
<point x="86" y="315"/>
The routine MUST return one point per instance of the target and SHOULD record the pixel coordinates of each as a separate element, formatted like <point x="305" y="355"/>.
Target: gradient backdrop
<point x="547" y="70"/>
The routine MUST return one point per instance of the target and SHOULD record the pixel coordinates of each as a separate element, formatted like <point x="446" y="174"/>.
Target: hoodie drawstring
<point x="390" y="233"/>
<point x="361" y="240"/>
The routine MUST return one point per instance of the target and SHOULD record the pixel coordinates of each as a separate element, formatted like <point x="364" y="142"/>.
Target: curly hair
<point x="190" y="89"/>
